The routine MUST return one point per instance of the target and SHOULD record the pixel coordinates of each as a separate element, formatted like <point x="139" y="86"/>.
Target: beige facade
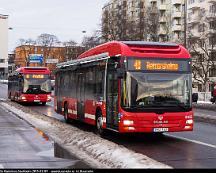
<point x="3" y="45"/>
<point x="120" y="18"/>
<point x="119" y="15"/>
<point x="202" y="27"/>
<point x="171" y="19"/>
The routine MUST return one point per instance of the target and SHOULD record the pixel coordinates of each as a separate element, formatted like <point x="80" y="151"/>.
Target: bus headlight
<point x="23" y="98"/>
<point x="49" y="97"/>
<point x="189" y="121"/>
<point x="128" y="122"/>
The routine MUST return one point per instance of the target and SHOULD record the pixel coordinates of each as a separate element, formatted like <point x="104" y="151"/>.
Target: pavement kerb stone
<point x="205" y="118"/>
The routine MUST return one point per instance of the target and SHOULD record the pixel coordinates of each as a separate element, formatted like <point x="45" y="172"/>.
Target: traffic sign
<point x="36" y="58"/>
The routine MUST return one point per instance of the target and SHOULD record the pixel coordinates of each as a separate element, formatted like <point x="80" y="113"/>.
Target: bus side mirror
<point x="120" y="73"/>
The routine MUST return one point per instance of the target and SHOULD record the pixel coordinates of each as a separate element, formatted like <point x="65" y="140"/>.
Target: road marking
<point x="1" y="166"/>
<point x="194" y="141"/>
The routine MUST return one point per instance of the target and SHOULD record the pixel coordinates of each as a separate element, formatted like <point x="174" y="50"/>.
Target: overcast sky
<point x="64" y="18"/>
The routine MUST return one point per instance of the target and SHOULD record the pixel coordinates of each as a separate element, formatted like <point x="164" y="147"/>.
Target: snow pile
<point x="97" y="152"/>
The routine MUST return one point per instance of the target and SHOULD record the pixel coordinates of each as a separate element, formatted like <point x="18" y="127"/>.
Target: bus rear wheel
<point x="99" y="124"/>
<point x="9" y="97"/>
<point x="66" y="113"/>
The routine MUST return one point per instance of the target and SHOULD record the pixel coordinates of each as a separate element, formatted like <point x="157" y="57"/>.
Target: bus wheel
<point x="16" y="98"/>
<point x="43" y="103"/>
<point x="66" y="113"/>
<point x="99" y="123"/>
<point x="9" y="97"/>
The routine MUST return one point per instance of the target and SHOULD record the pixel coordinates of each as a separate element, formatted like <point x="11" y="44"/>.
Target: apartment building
<point x="131" y="19"/>
<point x="202" y="42"/>
<point x="171" y="19"/>
<point x="123" y="20"/>
<point x="3" y="46"/>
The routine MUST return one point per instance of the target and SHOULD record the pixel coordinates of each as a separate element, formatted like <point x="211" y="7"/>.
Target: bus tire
<point x="67" y="120"/>
<point x="9" y="97"/>
<point x="99" y="123"/>
<point x="16" y="98"/>
<point x="43" y="103"/>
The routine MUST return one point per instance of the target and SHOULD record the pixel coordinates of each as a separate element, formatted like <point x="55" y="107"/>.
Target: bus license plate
<point x="36" y="100"/>
<point x="161" y="129"/>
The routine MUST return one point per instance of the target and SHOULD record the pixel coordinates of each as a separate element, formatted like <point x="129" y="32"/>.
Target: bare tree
<point x="47" y="41"/>
<point x="72" y="50"/>
<point x="91" y="41"/>
<point x="27" y="47"/>
<point x="202" y="47"/>
<point x="153" y="23"/>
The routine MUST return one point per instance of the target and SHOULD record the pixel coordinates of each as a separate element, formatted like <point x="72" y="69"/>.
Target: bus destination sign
<point x="159" y="65"/>
<point x="35" y="76"/>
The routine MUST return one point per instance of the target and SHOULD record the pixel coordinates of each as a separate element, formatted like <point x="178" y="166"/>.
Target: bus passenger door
<point x="112" y="96"/>
<point x="81" y="96"/>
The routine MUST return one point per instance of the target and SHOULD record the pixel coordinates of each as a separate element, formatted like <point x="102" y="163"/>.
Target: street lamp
<point x="185" y="23"/>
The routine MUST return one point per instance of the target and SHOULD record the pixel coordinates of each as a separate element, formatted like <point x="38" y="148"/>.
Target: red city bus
<point x="128" y="86"/>
<point x="30" y="84"/>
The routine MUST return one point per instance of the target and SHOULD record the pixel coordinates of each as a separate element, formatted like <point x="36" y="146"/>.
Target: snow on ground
<point x="204" y="102"/>
<point x="87" y="146"/>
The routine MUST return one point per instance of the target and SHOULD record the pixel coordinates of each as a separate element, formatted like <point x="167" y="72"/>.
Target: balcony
<point x="194" y="6"/>
<point x="162" y="20"/>
<point x="176" y="28"/>
<point x="211" y="32"/>
<point x="176" y="2"/>
<point x="193" y="36"/>
<point x="177" y="14"/>
<point x="193" y="20"/>
<point x="162" y="31"/>
<point x="212" y="1"/>
<point x="211" y="15"/>
<point x="154" y="10"/>
<point x="162" y="7"/>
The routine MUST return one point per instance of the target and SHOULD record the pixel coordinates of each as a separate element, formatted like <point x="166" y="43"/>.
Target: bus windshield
<point x="156" y="90"/>
<point x="37" y="84"/>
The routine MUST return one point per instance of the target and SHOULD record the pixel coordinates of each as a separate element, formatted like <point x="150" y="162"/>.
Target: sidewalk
<point x="205" y="112"/>
<point x="23" y="146"/>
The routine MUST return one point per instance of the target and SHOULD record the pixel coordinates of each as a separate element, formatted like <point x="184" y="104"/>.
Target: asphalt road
<point x="195" y="149"/>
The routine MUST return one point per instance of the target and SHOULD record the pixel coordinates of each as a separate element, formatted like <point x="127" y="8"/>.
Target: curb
<point x="211" y="107"/>
<point x="205" y="118"/>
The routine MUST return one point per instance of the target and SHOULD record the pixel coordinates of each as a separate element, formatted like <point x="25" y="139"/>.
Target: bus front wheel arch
<point x="67" y="120"/>
<point x="99" y="123"/>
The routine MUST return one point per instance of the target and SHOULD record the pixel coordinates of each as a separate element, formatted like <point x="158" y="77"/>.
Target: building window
<point x="212" y="24"/>
<point x="201" y="28"/>
<point x="191" y="1"/>
<point x="212" y="72"/>
<point x="201" y="58"/>
<point x="213" y="56"/>
<point x="212" y="9"/>
<point x="2" y="60"/>
<point x="212" y="40"/>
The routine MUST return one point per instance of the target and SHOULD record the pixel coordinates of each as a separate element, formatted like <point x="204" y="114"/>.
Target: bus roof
<point x="139" y="49"/>
<point x="33" y="70"/>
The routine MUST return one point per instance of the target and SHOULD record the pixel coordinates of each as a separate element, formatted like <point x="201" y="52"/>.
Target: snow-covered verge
<point x="87" y="146"/>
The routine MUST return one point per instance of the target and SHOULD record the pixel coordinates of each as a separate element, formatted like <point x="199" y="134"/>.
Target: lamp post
<point x="185" y="23"/>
